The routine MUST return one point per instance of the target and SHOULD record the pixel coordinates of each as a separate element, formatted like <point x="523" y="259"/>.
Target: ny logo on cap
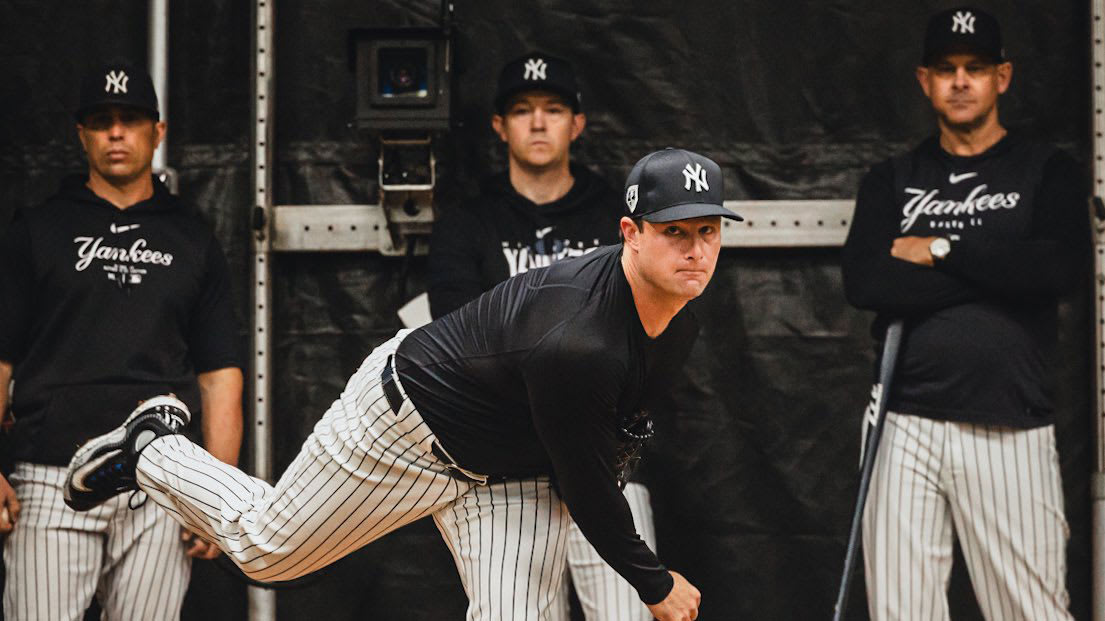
<point x="535" y="69"/>
<point x="116" y="82"/>
<point x="963" y="22"/>
<point x="631" y="197"/>
<point x="697" y="174"/>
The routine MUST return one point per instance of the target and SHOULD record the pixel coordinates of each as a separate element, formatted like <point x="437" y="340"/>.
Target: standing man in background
<point x="971" y="238"/>
<point x="111" y="292"/>
<point x="541" y="210"/>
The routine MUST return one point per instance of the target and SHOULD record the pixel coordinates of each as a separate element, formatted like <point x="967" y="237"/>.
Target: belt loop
<point x="391" y="388"/>
<point x="454" y="470"/>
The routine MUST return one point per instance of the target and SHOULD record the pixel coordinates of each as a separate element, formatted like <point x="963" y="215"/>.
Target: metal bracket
<point x="788" y="224"/>
<point x="401" y="179"/>
<point x="330" y="228"/>
<point x="361" y="228"/>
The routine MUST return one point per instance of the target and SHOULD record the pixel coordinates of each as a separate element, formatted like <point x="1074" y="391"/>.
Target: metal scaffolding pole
<point x="158" y="61"/>
<point x="262" y="602"/>
<point x="1098" y="480"/>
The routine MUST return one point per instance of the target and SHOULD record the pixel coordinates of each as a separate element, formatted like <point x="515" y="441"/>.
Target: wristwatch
<point x="939" y="248"/>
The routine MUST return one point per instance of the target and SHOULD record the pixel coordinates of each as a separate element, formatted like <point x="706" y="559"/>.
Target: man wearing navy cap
<point x="498" y="420"/>
<point x="542" y="209"/>
<point x="971" y="238"/>
<point x="111" y="292"/>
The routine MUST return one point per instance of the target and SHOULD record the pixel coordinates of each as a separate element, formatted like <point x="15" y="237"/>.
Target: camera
<point x="404" y="95"/>
<point x="403" y="78"/>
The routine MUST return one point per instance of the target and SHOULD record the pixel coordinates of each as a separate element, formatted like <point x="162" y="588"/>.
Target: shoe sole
<point x="110" y="444"/>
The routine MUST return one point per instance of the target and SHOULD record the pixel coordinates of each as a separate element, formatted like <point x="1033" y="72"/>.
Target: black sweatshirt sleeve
<point x="1048" y="259"/>
<point x="574" y="414"/>
<point x="873" y="279"/>
<point x="213" y="329"/>
<point x="455" y="261"/>
<point x="16" y="284"/>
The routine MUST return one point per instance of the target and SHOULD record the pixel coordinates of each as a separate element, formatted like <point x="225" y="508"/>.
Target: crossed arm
<point x="887" y="272"/>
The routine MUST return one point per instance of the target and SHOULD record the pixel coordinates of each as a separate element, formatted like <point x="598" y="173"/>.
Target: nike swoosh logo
<point x="124" y="228"/>
<point x="954" y="178"/>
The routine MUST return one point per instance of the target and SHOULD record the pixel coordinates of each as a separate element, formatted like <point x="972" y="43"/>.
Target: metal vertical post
<point x="262" y="603"/>
<point x="158" y="60"/>
<point x="1098" y="480"/>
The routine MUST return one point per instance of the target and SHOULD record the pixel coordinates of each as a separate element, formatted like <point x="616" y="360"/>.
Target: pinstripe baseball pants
<point x="603" y="594"/>
<point x="365" y="471"/>
<point x="57" y="558"/>
<point x="995" y="488"/>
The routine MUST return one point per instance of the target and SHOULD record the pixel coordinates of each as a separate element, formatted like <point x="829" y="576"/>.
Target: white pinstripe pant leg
<point x="1007" y="501"/>
<point x="1000" y="487"/>
<point x="509" y="541"/>
<point x="362" y="473"/>
<point x="55" y="557"/>
<point x="146" y="569"/>
<point x="907" y="527"/>
<point x="603" y="594"/>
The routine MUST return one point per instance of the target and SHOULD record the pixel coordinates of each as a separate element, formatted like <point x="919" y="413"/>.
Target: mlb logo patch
<point x="631" y="197"/>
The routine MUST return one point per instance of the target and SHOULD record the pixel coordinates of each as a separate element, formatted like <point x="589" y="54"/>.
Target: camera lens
<point x="403" y="73"/>
<point x="402" y="77"/>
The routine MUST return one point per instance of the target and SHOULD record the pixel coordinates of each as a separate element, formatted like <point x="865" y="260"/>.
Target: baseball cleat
<point x="104" y="466"/>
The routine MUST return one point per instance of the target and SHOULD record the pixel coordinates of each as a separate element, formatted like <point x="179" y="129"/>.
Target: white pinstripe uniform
<point x="997" y="489"/>
<point x="365" y="471"/>
<point x="57" y="558"/>
<point x="603" y="594"/>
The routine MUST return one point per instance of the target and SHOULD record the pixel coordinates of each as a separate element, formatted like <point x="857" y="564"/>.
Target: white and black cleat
<point x="104" y="466"/>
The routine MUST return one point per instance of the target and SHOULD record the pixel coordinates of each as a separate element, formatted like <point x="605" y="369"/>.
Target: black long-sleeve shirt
<point x="981" y="323"/>
<point x="535" y="376"/>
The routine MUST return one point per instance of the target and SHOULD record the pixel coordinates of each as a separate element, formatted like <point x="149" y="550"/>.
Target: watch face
<point x="940" y="247"/>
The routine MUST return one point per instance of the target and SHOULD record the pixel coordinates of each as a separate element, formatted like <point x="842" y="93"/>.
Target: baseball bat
<point x="891" y="344"/>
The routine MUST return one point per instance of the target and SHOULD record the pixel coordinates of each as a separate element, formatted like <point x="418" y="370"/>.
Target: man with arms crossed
<point x="541" y="210"/>
<point x="970" y="237"/>
<point x="468" y="419"/>
<point x="111" y="291"/>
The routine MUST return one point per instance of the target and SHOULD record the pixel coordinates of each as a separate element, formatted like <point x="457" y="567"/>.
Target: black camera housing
<point x="403" y="78"/>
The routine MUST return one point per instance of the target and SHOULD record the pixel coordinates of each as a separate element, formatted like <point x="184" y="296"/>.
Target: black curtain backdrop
<point x="754" y="464"/>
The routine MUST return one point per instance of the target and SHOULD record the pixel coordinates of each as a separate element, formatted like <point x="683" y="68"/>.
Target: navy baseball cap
<point x="537" y="71"/>
<point x="674" y="184"/>
<point x="121" y="83"/>
<point x="963" y="29"/>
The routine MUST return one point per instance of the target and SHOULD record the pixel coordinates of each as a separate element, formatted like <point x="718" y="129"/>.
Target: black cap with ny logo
<point x="122" y="84"/>
<point x="674" y="184"/>
<point x="963" y="30"/>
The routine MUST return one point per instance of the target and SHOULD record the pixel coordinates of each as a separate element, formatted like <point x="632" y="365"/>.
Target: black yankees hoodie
<point x="981" y="326"/>
<point x="500" y="233"/>
<point x="101" y="307"/>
